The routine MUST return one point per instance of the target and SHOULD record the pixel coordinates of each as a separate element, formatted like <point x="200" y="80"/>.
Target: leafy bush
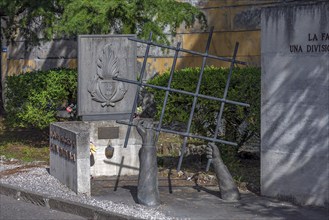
<point x="33" y="99"/>
<point x="241" y="123"/>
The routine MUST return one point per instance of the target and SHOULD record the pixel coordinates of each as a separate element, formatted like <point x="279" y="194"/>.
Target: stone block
<point x="101" y="57"/>
<point x="125" y="161"/>
<point x="295" y="103"/>
<point x="70" y="155"/>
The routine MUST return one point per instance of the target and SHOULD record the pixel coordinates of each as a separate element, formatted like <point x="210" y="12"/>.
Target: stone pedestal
<point x="125" y="161"/>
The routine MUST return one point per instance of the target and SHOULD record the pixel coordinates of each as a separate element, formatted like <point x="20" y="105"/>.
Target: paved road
<point x="11" y="209"/>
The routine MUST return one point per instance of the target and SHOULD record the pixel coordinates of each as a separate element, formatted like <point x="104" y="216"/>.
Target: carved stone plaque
<point x="102" y="57"/>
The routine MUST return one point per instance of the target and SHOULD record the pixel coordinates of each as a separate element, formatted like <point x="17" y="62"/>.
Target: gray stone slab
<point x="70" y="155"/>
<point x="295" y="103"/>
<point x="102" y="57"/>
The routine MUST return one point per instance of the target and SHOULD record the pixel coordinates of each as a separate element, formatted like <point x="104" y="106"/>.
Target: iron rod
<point x="141" y="76"/>
<point x="219" y="118"/>
<point x="167" y="91"/>
<point x="184" y="134"/>
<point x="188" y="51"/>
<point x="195" y="99"/>
<point x="181" y="91"/>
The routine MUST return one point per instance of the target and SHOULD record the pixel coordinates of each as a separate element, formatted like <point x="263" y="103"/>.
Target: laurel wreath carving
<point x="103" y="88"/>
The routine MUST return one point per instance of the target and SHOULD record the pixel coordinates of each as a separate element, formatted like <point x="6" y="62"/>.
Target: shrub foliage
<point x="241" y="123"/>
<point x="33" y="99"/>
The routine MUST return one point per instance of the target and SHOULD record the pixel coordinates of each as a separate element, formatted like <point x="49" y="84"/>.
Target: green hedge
<point x="33" y="99"/>
<point x="244" y="87"/>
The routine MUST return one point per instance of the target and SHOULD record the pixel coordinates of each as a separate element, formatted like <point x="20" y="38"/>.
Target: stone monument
<point x="295" y="103"/>
<point x="101" y="101"/>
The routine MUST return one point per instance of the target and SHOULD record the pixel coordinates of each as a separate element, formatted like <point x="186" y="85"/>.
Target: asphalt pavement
<point x="13" y="209"/>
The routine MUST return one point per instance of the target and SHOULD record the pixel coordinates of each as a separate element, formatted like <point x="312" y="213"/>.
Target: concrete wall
<point x="295" y="103"/>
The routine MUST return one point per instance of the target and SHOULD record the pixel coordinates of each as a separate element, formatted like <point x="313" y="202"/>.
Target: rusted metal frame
<point x="141" y="76"/>
<point x="195" y="98"/>
<point x="167" y="91"/>
<point x="219" y="117"/>
<point x="181" y="91"/>
<point x="188" y="51"/>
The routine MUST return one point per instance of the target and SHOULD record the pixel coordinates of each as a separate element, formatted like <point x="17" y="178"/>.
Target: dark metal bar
<point x="199" y="137"/>
<point x="219" y="118"/>
<point x="181" y="91"/>
<point x="188" y="51"/>
<point x="184" y="134"/>
<point x="141" y="76"/>
<point x="195" y="99"/>
<point x="167" y="91"/>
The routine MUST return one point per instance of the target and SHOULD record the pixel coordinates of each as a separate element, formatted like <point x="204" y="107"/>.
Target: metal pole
<point x="219" y="118"/>
<point x="190" y="51"/>
<point x="141" y="76"/>
<point x="181" y="91"/>
<point x="195" y="99"/>
<point x="167" y="91"/>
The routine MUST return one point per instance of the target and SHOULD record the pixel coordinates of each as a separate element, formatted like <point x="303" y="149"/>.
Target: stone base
<point x="125" y="161"/>
<point x="70" y="160"/>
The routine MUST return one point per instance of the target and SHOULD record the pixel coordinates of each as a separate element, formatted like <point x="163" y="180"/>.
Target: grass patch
<point x="23" y="144"/>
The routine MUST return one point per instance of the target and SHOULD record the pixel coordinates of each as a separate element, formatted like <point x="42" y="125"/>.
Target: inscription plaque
<point x="108" y="132"/>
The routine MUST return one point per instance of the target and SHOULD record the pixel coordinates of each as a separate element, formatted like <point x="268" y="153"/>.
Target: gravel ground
<point x="37" y="179"/>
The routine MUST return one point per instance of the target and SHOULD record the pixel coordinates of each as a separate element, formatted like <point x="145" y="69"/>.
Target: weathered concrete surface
<point x="70" y="155"/>
<point x="102" y="57"/>
<point x="125" y="161"/>
<point x="295" y="103"/>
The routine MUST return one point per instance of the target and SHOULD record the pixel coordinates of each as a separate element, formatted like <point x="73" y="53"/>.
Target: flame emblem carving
<point x="103" y="88"/>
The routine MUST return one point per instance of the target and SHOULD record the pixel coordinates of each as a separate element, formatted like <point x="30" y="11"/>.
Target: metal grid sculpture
<point x="195" y="95"/>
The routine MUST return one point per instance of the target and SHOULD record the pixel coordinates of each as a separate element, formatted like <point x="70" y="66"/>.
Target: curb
<point x="83" y="210"/>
